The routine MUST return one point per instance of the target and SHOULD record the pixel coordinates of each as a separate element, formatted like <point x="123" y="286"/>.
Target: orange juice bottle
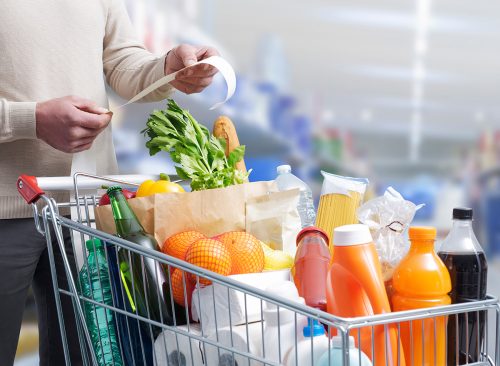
<point x="421" y="280"/>
<point x="355" y="288"/>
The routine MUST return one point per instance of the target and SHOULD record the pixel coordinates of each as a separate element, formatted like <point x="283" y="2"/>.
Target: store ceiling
<point x="357" y="60"/>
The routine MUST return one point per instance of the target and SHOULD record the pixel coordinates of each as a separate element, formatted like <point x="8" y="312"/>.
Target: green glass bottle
<point x="144" y="279"/>
<point x="95" y="285"/>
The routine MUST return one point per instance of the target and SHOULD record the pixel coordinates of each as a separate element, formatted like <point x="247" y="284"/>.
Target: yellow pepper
<point x="164" y="185"/>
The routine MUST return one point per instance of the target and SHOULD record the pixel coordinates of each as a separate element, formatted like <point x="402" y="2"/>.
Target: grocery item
<point x="144" y="279"/>
<point x="182" y="287"/>
<point x="247" y="255"/>
<point x="282" y="324"/>
<point x="462" y="254"/>
<point x="211" y="255"/>
<point x="104" y="200"/>
<point x="336" y="354"/>
<point x="421" y="281"/>
<point x="311" y="266"/>
<point x="178" y="244"/>
<point x="276" y="259"/>
<point x="163" y="185"/>
<point x="339" y="200"/>
<point x="175" y="349"/>
<point x="230" y="307"/>
<point x="95" y="285"/>
<point x="224" y="129"/>
<point x="274" y="219"/>
<point x="388" y="218"/>
<point x="200" y="155"/>
<point x="136" y="343"/>
<point x="286" y="181"/>
<point x="244" y="338"/>
<point x="355" y="287"/>
<point x="311" y="348"/>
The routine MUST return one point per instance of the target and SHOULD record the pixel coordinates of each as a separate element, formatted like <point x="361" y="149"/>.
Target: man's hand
<point x="194" y="79"/>
<point x="70" y="124"/>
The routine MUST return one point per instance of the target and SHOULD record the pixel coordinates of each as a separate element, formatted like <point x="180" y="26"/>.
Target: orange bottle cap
<point x="422" y="233"/>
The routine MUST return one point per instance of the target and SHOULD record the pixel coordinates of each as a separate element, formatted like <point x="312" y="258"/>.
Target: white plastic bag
<point x="388" y="217"/>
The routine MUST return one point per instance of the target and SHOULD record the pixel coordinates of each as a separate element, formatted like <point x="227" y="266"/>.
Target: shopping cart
<point x="226" y="336"/>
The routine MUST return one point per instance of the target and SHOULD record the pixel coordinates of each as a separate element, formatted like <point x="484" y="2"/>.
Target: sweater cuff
<point x="22" y="119"/>
<point x="159" y="72"/>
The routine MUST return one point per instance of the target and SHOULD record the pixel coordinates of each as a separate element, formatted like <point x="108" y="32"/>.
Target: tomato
<point x="104" y="200"/>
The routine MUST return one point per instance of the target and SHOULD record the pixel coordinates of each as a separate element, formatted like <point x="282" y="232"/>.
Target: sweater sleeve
<point x="17" y="120"/>
<point x="128" y="66"/>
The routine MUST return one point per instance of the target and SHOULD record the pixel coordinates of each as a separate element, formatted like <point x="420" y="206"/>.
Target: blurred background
<point x="403" y="93"/>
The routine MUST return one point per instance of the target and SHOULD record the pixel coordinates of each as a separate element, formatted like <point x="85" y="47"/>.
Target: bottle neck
<point x="422" y="246"/>
<point x="125" y="219"/>
<point x="461" y="238"/>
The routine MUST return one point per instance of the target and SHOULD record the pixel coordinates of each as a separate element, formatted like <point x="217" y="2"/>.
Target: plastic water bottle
<point x="286" y="181"/>
<point x="95" y="285"/>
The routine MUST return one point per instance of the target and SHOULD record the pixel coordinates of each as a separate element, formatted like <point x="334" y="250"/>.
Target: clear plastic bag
<point x="388" y="217"/>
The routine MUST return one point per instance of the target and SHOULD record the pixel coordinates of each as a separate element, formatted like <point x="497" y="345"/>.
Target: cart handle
<point x="27" y="186"/>
<point x="32" y="188"/>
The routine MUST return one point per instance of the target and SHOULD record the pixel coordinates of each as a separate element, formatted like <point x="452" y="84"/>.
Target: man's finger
<point x="187" y="54"/>
<point x="202" y="70"/>
<point x="200" y="82"/>
<point x="82" y="147"/>
<point x="94" y="121"/>
<point x="188" y="88"/>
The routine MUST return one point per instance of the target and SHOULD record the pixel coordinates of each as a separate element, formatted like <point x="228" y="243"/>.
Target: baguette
<point x="224" y="128"/>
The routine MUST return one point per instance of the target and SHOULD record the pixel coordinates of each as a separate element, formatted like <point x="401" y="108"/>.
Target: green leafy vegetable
<point x="198" y="154"/>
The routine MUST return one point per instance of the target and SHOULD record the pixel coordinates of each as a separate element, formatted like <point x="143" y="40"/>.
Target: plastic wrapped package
<point x="388" y="217"/>
<point x="340" y="198"/>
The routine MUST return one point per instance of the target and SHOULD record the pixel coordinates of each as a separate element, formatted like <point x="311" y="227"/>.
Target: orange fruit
<point x="178" y="283"/>
<point x="246" y="252"/>
<point x="209" y="254"/>
<point x="178" y="244"/>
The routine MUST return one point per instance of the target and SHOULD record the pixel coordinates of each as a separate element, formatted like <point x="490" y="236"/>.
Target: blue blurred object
<point x="492" y="226"/>
<point x="302" y="133"/>
<point x="263" y="168"/>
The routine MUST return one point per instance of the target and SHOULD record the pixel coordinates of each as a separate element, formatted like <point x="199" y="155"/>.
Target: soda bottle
<point x="463" y="256"/>
<point x="144" y="279"/>
<point x="285" y="181"/>
<point x="310" y="270"/>
<point x="422" y="281"/>
<point x="95" y="285"/>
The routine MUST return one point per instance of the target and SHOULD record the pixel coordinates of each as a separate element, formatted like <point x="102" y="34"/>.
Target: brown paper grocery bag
<point x="211" y="212"/>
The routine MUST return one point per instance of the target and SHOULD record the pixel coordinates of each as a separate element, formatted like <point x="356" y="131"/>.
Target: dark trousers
<point x="24" y="261"/>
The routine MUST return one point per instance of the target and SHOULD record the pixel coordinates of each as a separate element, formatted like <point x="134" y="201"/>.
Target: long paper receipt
<point x="218" y="62"/>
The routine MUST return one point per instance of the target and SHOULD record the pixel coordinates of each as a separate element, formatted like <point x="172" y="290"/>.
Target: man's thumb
<point x="89" y="106"/>
<point x="187" y="55"/>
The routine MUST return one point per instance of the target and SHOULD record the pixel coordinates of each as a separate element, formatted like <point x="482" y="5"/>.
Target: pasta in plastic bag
<point x="388" y="217"/>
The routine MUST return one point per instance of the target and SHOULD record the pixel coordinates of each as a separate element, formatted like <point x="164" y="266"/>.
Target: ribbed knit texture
<point x="54" y="48"/>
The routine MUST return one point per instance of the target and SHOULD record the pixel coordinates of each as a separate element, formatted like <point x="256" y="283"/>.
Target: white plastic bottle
<point x="286" y="181"/>
<point x="356" y="357"/>
<point x="311" y="348"/>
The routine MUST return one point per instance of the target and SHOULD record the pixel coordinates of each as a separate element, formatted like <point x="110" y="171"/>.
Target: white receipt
<point x="218" y="62"/>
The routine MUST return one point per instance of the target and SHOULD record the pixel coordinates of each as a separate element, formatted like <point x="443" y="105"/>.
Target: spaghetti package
<point x="340" y="198"/>
<point x="388" y="217"/>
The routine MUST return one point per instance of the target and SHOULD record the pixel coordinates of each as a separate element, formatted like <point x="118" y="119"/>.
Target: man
<point x="55" y="57"/>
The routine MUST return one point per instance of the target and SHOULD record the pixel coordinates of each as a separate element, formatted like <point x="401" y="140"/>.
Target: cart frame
<point x="48" y="216"/>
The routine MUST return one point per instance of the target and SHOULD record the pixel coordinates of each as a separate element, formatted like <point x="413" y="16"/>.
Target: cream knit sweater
<point x="54" y="48"/>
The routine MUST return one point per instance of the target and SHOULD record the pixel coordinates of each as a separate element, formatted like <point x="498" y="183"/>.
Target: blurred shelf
<point x="340" y="167"/>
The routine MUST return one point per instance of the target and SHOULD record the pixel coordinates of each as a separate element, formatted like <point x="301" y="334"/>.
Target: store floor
<point x="28" y="341"/>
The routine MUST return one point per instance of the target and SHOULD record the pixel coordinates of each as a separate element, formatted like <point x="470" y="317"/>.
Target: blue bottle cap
<point x="317" y="329"/>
